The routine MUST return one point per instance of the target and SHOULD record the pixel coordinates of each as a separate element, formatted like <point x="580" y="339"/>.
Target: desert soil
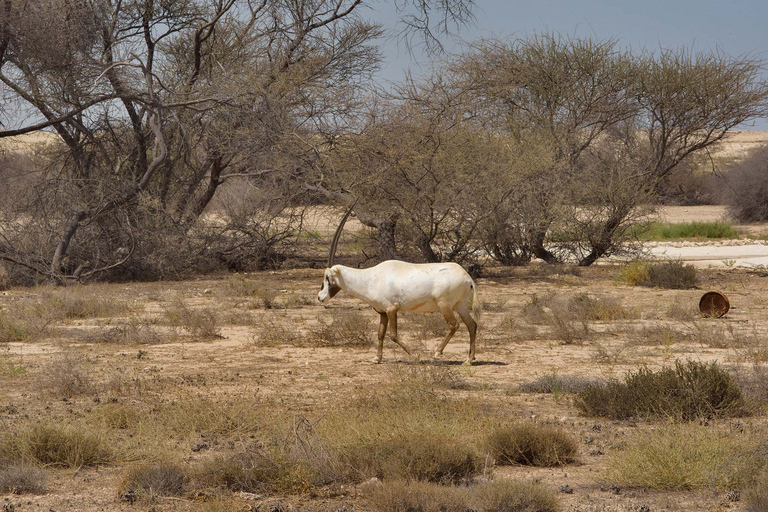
<point x="309" y="380"/>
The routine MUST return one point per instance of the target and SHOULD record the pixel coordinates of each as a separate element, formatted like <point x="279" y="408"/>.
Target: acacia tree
<point x="616" y="124"/>
<point x="417" y="174"/>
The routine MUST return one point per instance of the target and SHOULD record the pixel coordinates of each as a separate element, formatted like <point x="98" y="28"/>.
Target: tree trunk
<point x="66" y="238"/>
<point x="387" y="248"/>
<point x="538" y="249"/>
<point x="426" y="250"/>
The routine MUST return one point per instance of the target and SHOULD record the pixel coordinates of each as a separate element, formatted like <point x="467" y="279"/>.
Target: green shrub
<point x="674" y="275"/>
<point x="635" y="273"/>
<point x="690" y="390"/>
<point x="530" y="444"/>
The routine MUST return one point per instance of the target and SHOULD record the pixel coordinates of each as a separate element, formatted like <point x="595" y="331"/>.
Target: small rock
<point x="732" y="496"/>
<point x="566" y="489"/>
<point x="249" y="496"/>
<point x="595" y="452"/>
<point x="643" y="508"/>
<point x="130" y="496"/>
<point x="202" y="445"/>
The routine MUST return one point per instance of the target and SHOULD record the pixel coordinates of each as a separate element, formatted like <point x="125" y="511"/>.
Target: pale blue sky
<point x="737" y="27"/>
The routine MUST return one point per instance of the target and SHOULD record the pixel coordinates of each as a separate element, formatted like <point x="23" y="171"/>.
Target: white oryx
<point x="394" y="286"/>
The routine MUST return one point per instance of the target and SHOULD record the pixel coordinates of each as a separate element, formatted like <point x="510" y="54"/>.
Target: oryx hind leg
<point x="392" y="316"/>
<point x="453" y="325"/>
<point x="466" y="317"/>
<point x="383" y="320"/>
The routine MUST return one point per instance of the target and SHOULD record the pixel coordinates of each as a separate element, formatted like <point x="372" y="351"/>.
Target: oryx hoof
<point x="468" y="362"/>
<point x="376" y="360"/>
<point x="437" y="355"/>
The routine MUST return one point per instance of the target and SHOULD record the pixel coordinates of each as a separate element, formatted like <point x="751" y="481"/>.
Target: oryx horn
<point x="337" y="235"/>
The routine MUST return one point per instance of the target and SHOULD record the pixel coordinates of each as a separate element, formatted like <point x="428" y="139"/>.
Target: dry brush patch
<point x="689" y="456"/>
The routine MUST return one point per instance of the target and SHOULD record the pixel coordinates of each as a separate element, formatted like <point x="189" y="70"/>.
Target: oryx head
<point x="330" y="286"/>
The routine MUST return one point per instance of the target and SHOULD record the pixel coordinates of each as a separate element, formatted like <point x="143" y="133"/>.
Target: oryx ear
<point x="336" y="271"/>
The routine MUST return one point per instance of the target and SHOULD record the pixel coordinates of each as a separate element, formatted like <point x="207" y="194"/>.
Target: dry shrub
<point x="58" y="445"/>
<point x="116" y="416"/>
<point x="211" y="418"/>
<point x="718" y="335"/>
<point x="754" y="384"/>
<point x="655" y="335"/>
<point x="688" y="391"/>
<point x="346" y="328"/>
<point x="584" y="307"/>
<point x="428" y="326"/>
<point x="429" y="377"/>
<point x="13" y="330"/>
<point x="200" y="323"/>
<point x="558" y="384"/>
<point x="130" y="332"/>
<point x="22" y="479"/>
<point x="533" y="311"/>
<point x="68" y="376"/>
<point x="682" y="311"/>
<point x="494" y="496"/>
<point x="674" y="275"/>
<point x="415" y="455"/>
<point x="531" y="444"/>
<point x="747" y="181"/>
<point x="239" y="286"/>
<point x="254" y="470"/>
<point x="151" y="480"/>
<point x="688" y="456"/>
<point x="756" y="497"/>
<point x="512" y="496"/>
<point x="410" y="433"/>
<point x="273" y="331"/>
<point x="79" y="302"/>
<point x="565" y="327"/>
<point x="405" y="496"/>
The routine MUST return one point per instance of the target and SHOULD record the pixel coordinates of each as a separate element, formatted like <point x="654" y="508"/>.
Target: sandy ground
<point x="309" y="379"/>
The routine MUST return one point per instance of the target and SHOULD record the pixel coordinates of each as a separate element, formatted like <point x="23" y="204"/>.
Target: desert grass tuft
<point x="343" y="328"/>
<point x="200" y="323"/>
<point x="254" y="470"/>
<point x="22" y="479"/>
<point x="756" y="497"/>
<point x="58" y="445"/>
<point x="68" y="376"/>
<point x="493" y="496"/>
<point x="530" y="444"/>
<point x="688" y="391"/>
<point x="687" y="456"/>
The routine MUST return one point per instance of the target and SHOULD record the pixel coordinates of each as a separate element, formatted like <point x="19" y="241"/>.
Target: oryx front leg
<point x="383" y="320"/>
<point x="392" y="316"/>
<point x="453" y="324"/>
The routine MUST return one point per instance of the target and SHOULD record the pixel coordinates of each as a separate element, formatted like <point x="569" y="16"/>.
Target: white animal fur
<point x="394" y="286"/>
